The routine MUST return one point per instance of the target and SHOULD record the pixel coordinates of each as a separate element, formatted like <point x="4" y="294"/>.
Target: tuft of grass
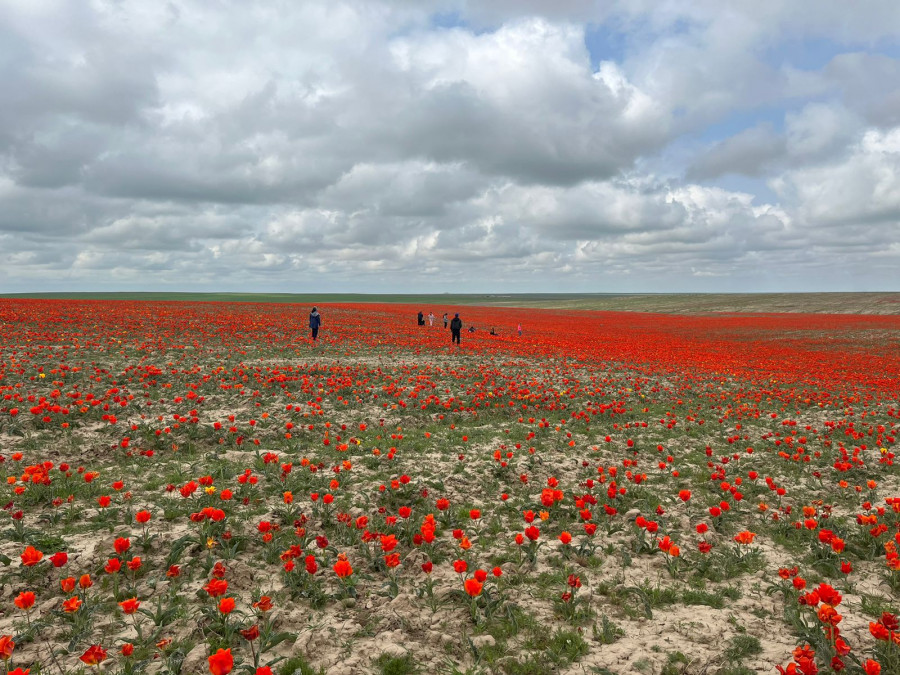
<point x="875" y="606"/>
<point x="715" y="599"/>
<point x="742" y="646"/>
<point x="643" y="666"/>
<point x="529" y="667"/>
<point x="608" y="631"/>
<point x="396" y="665"/>
<point x="297" y="665"/>
<point x="675" y="664"/>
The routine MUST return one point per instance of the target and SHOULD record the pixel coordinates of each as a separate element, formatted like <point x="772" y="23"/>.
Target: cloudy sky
<point x="446" y="145"/>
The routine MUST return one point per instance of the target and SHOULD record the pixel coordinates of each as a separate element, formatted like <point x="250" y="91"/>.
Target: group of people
<point x="455" y="324"/>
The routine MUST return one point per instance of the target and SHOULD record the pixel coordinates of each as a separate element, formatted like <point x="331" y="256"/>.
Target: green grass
<point x="396" y="665"/>
<point x="297" y="665"/>
<point x="742" y="646"/>
<point x="695" y="303"/>
<point x="675" y="664"/>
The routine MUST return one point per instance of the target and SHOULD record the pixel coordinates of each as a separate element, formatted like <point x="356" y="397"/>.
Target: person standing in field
<point x="430" y="319"/>
<point x="445" y="320"/>
<point x="520" y="330"/>
<point x="315" y="321"/>
<point x="455" y="329"/>
<point x="420" y="319"/>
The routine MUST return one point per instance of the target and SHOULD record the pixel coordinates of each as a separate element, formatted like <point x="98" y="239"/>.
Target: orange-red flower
<point x="872" y="667"/>
<point x="31" y="556"/>
<point x="342" y="568"/>
<point x="93" y="655"/>
<point x="879" y="631"/>
<point x="6" y="647"/>
<point x="130" y="606"/>
<point x="221" y="662"/>
<point x="72" y="604"/>
<point x="264" y="604"/>
<point x="745" y="537"/>
<point x="473" y="587"/>
<point x="25" y="600"/>
<point x="828" y="615"/>
<point x="216" y="587"/>
<point x="226" y="605"/>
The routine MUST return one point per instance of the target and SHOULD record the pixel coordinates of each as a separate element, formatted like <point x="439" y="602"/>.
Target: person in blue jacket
<point x="315" y="321"/>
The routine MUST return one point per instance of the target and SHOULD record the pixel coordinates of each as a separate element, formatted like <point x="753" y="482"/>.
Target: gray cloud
<point x="374" y="145"/>
<point x="748" y="152"/>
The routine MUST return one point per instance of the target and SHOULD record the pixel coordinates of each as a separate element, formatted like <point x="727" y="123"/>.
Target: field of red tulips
<point x="199" y="488"/>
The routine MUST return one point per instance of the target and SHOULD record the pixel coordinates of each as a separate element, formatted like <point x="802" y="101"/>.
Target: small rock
<point x="195" y="662"/>
<point x="393" y="649"/>
<point x="305" y="642"/>
<point x="482" y="641"/>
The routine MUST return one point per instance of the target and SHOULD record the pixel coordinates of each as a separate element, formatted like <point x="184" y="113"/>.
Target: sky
<point x="392" y="146"/>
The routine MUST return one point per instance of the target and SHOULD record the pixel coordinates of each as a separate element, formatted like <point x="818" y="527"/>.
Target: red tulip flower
<point x="221" y="662"/>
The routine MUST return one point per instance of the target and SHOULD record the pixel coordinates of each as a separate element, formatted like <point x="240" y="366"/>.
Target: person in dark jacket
<point x="315" y="321"/>
<point x="420" y="319"/>
<point x="455" y="329"/>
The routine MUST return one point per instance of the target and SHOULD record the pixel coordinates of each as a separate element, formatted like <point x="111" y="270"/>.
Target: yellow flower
<point x="544" y="515"/>
<point x="210" y="489"/>
<point x="210" y="543"/>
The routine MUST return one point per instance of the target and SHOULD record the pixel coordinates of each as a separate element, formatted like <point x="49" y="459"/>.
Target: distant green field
<point x="669" y="303"/>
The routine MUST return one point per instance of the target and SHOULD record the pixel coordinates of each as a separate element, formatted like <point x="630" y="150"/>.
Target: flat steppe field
<point x="651" y="484"/>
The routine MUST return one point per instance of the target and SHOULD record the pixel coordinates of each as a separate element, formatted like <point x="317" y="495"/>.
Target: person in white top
<point x="430" y="318"/>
